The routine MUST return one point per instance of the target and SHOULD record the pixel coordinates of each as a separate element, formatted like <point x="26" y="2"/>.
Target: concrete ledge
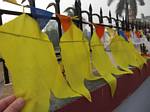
<point x="101" y="97"/>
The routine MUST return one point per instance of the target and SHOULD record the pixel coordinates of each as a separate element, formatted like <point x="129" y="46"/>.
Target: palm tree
<point x="123" y="6"/>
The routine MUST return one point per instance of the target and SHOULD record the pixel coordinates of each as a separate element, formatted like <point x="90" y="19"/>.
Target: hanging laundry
<point x="31" y="60"/>
<point x="140" y="60"/>
<point x="137" y="59"/>
<point x="102" y="63"/>
<point x="119" y="52"/>
<point x="42" y="16"/>
<point x="75" y="57"/>
<point x="123" y="53"/>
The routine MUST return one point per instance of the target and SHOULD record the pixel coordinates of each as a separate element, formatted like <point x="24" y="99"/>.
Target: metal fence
<point x="123" y="24"/>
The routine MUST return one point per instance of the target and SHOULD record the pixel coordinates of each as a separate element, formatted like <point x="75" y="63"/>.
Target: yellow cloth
<point x="32" y="63"/>
<point x="120" y="53"/>
<point x="140" y="60"/>
<point x="137" y="60"/>
<point x="124" y="53"/>
<point x="76" y="60"/>
<point x="103" y="64"/>
<point x="11" y="1"/>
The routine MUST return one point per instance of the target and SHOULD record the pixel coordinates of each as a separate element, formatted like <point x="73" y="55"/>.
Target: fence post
<point x="76" y="8"/>
<point x="101" y="15"/>
<point x="127" y="25"/>
<point x="117" y="24"/>
<point x="77" y="13"/>
<point x="126" y="11"/>
<point x="1" y="22"/>
<point x="32" y="3"/>
<point x="136" y="25"/>
<point x="90" y="18"/>
<point x="80" y="15"/>
<point x="140" y="25"/>
<point x="122" y="24"/>
<point x="145" y="28"/>
<point x="57" y="10"/>
<point x="148" y="27"/>
<point x="132" y="25"/>
<point x="57" y="6"/>
<point x="110" y="18"/>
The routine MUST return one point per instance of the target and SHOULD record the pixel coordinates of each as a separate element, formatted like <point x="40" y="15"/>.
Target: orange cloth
<point x="138" y="34"/>
<point x="128" y="35"/>
<point x="65" y="21"/>
<point x="100" y="30"/>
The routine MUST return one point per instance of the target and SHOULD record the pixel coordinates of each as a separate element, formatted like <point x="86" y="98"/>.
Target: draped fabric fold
<point x="137" y="60"/>
<point x="140" y="60"/>
<point x="102" y="63"/>
<point x="76" y="58"/>
<point x="118" y="51"/>
<point x="125" y="54"/>
<point x="30" y="58"/>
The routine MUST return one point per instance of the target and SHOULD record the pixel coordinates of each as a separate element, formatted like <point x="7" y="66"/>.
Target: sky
<point x="96" y="4"/>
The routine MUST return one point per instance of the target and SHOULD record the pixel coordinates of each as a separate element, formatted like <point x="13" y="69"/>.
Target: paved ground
<point x="139" y="101"/>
